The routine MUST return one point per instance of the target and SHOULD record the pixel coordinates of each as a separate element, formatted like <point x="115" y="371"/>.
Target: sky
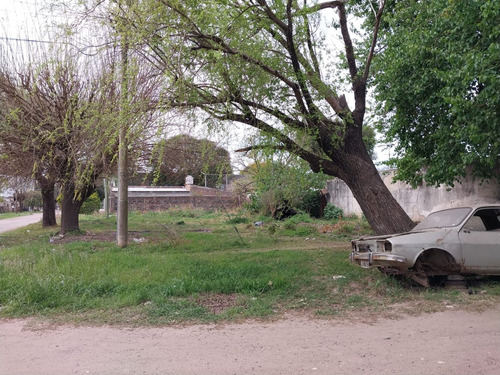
<point x="17" y="17"/>
<point x="21" y="20"/>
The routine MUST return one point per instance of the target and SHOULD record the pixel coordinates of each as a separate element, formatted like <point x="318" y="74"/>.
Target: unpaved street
<point x="18" y="222"/>
<point x="449" y="342"/>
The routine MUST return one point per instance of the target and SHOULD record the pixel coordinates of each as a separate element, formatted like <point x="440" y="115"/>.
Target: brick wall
<point x="195" y="197"/>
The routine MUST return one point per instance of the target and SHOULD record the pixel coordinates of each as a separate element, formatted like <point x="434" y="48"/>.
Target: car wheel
<point x="419" y="275"/>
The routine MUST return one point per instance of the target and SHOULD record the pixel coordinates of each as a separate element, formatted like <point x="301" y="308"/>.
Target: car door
<point x="480" y="242"/>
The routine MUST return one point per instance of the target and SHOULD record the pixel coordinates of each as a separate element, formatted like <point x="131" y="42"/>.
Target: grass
<point x="197" y="266"/>
<point x="8" y="215"/>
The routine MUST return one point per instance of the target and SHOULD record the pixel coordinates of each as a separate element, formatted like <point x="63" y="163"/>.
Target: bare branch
<point x="349" y="49"/>
<point x="330" y="4"/>
<point x="378" y="19"/>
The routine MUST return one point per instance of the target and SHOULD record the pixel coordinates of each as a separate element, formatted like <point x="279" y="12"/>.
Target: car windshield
<point x="445" y="218"/>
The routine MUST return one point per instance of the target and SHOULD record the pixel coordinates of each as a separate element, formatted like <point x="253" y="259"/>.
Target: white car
<point x="462" y="240"/>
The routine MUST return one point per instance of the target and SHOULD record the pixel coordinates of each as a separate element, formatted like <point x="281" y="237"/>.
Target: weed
<point x="299" y="218"/>
<point x="238" y="220"/>
<point x="199" y="271"/>
<point x="299" y="230"/>
<point x="333" y="212"/>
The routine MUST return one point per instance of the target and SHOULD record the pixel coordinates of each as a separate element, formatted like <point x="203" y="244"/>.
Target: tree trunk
<point x="379" y="206"/>
<point x="70" y="209"/>
<point x="354" y="166"/>
<point x="49" y="206"/>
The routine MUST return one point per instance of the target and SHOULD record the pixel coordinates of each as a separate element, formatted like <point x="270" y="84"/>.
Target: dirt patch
<point x="217" y="303"/>
<point x="101" y="237"/>
<point x="449" y="342"/>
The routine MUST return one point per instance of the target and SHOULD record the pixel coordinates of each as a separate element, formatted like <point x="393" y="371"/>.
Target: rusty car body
<point x="460" y="241"/>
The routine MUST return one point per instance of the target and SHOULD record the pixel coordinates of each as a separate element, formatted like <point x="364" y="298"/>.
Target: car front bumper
<point x="370" y="259"/>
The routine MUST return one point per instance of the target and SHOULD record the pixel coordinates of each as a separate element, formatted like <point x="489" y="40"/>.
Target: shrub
<point x="254" y="204"/>
<point x="311" y="203"/>
<point x="333" y="212"/>
<point x="92" y="204"/>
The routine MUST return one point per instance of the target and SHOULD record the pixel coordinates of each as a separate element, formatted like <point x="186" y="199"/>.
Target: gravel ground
<point x="449" y="342"/>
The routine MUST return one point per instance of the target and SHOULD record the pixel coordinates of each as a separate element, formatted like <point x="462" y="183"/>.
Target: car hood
<point x="389" y="236"/>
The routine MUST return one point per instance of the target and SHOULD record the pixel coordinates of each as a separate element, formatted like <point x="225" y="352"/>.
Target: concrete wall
<point x="418" y="203"/>
<point x="163" y="198"/>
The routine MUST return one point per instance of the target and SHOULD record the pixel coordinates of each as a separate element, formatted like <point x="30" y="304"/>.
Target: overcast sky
<point x="17" y="17"/>
<point x="31" y="19"/>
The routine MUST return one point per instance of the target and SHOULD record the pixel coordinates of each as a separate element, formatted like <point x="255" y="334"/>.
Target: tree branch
<point x="283" y="26"/>
<point x="349" y="49"/>
<point x="378" y="19"/>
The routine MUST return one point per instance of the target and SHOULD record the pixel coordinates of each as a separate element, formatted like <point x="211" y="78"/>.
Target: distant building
<point x="154" y="198"/>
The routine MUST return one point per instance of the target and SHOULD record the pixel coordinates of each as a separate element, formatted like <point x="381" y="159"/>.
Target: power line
<point x="27" y="40"/>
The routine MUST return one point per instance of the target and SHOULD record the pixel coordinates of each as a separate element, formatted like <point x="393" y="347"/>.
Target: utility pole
<point x="122" y="210"/>
<point x="106" y="196"/>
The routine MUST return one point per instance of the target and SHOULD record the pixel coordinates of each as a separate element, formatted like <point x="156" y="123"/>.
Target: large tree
<point x="267" y="64"/>
<point x="50" y="115"/>
<point x="183" y="155"/>
<point x="18" y="159"/>
<point x="439" y="81"/>
<point x="59" y="119"/>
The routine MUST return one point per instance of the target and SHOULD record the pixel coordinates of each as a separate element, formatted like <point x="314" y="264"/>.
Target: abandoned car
<point x="455" y="241"/>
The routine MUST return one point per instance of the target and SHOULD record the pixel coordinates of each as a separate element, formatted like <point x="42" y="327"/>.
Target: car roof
<point x="473" y="206"/>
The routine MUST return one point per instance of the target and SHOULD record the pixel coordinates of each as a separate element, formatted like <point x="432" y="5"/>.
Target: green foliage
<point x="33" y="199"/>
<point x="238" y="220"/>
<point x="286" y="182"/>
<point x="438" y="82"/>
<point x="183" y="155"/>
<point x="333" y="212"/>
<point x="294" y="230"/>
<point x="311" y="203"/>
<point x="100" y="192"/>
<point x="92" y="204"/>
<point x="370" y="140"/>
<point x="299" y="218"/>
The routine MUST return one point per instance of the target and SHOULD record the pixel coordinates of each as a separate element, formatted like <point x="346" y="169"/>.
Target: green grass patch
<point x="208" y="268"/>
<point x="8" y="215"/>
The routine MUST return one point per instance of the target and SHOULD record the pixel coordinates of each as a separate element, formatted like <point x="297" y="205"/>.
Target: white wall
<point x="419" y="202"/>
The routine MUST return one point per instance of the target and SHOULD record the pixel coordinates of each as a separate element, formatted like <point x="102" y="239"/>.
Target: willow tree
<point x="59" y="116"/>
<point x="54" y="125"/>
<point x="283" y="67"/>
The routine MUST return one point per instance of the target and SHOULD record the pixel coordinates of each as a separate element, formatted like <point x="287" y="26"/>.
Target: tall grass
<point x="185" y="265"/>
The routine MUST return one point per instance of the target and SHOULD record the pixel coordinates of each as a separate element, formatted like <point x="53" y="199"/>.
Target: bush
<point x="333" y="212"/>
<point x="254" y="204"/>
<point x="92" y="204"/>
<point x="311" y="203"/>
<point x="290" y="229"/>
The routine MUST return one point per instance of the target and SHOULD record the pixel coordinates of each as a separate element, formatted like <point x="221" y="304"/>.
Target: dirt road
<point x="449" y="342"/>
<point x="18" y="222"/>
